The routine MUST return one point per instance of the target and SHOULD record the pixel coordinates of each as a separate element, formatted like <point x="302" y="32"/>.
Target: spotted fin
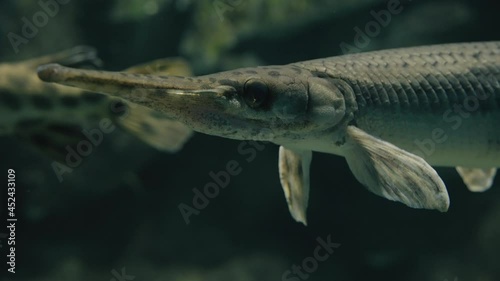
<point x="477" y="180"/>
<point x="152" y="127"/>
<point x="393" y="173"/>
<point x="79" y="56"/>
<point x="165" y="66"/>
<point x="294" y="177"/>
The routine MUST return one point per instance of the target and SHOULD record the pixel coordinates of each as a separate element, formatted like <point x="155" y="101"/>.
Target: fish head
<point x="255" y="103"/>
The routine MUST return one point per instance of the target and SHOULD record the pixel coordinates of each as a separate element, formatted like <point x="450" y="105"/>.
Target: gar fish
<point x="50" y="116"/>
<point x="377" y="109"/>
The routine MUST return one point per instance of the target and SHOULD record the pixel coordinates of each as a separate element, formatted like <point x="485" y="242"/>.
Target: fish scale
<point x="464" y="72"/>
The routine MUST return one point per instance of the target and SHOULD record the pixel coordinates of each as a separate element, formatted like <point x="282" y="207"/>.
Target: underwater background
<point x="116" y="216"/>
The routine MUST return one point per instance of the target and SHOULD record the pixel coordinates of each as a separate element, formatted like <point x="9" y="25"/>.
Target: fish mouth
<point x="207" y="96"/>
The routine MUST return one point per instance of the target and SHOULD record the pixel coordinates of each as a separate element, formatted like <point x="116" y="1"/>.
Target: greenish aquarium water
<point x="155" y="140"/>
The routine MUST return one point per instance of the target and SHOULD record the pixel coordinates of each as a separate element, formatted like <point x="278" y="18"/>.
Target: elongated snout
<point x="182" y="98"/>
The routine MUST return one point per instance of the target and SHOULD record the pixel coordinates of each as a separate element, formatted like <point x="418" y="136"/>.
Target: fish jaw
<point x="248" y="104"/>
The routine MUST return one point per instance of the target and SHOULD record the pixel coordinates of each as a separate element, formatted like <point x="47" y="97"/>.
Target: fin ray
<point x="294" y="178"/>
<point x="393" y="173"/>
<point x="153" y="128"/>
<point x="477" y="180"/>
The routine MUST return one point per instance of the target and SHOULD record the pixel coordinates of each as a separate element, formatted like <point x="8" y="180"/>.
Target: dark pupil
<point x="256" y="93"/>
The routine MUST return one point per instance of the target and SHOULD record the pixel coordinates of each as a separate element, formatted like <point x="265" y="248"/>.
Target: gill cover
<point x="327" y="104"/>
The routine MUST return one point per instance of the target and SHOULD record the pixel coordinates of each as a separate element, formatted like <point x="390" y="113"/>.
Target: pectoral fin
<point x="477" y="180"/>
<point x="294" y="177"/>
<point x="393" y="173"/>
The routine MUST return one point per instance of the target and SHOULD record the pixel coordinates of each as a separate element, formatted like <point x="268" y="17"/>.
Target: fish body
<point x="390" y="113"/>
<point x="440" y="102"/>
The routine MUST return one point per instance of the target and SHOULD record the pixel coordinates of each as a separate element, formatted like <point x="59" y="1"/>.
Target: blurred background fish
<point x="51" y="118"/>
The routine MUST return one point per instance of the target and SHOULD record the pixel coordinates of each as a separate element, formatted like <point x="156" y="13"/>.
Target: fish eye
<point x="255" y="93"/>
